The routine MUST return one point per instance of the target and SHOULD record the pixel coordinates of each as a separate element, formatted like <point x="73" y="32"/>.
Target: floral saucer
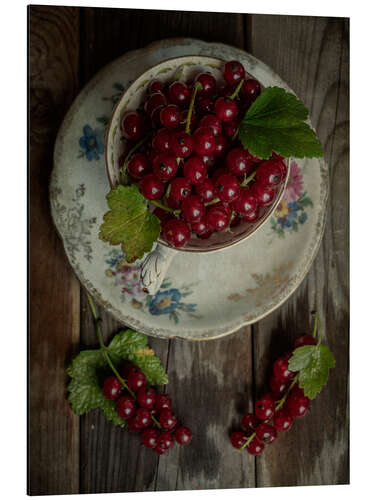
<point x="204" y="296"/>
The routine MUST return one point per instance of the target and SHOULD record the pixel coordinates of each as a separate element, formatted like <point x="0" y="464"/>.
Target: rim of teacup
<point x="224" y="245"/>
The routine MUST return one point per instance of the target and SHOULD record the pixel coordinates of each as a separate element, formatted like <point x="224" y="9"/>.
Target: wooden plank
<point x="311" y="54"/>
<point x="53" y="466"/>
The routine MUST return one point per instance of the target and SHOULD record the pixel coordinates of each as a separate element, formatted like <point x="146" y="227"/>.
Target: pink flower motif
<point x="294" y="187"/>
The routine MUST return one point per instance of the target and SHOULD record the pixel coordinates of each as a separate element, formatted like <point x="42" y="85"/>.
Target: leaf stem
<point x="315" y="316"/>
<point x="248" y="179"/>
<point x="197" y="86"/>
<point x="238" y="88"/>
<point x="131" y="152"/>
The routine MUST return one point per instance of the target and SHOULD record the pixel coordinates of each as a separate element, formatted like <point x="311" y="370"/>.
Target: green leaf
<point x="89" y="368"/>
<point x="129" y="222"/>
<point x="275" y="123"/>
<point x="313" y="364"/>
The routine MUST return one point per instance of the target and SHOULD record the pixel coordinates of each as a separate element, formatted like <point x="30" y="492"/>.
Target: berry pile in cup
<point x="276" y="410"/>
<point x="184" y="153"/>
<point x="145" y="411"/>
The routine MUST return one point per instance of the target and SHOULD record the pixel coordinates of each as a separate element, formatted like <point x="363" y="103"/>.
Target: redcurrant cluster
<point x="145" y="411"/>
<point x="183" y="152"/>
<point x="281" y="405"/>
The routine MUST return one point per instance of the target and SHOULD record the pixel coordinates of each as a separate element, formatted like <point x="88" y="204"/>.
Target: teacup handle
<point x="154" y="268"/>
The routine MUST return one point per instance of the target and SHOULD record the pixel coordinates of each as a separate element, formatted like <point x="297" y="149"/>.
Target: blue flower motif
<point x="165" y="302"/>
<point x="92" y="143"/>
<point x="293" y="206"/>
<point x="302" y="218"/>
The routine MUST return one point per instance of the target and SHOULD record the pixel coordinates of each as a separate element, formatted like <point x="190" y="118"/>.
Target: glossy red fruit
<point x="111" y="388"/>
<point x="237" y="439"/>
<point x="138" y="165"/>
<point x="176" y="232"/>
<point x="218" y="218"/>
<point x="192" y="208"/>
<point x="162" y="141"/>
<point x="245" y="203"/>
<point x="304" y="340"/>
<point x="212" y="122"/>
<point x="154" y="101"/>
<point x="149" y="437"/>
<point x="129" y="368"/>
<point x="234" y="72"/>
<point x="227" y="188"/>
<point x="142" y="418"/>
<point x="126" y="406"/>
<point x="208" y="83"/>
<point x="250" y="89"/>
<point x="167" y="419"/>
<point x="298" y="405"/>
<point x="282" y="420"/>
<point x="204" y="105"/>
<point x="179" y="93"/>
<point x="221" y="146"/>
<point x="238" y="162"/>
<point x="201" y="227"/>
<point x="163" y="402"/>
<point x="132" y="126"/>
<point x="155" y="117"/>
<point x="208" y="160"/>
<point x="134" y="425"/>
<point x="265" y="407"/>
<point x="165" y="167"/>
<point x="249" y="422"/>
<point x="204" y="141"/>
<point x="281" y="369"/>
<point x="183" y="435"/>
<point x="230" y="128"/>
<point x="225" y="109"/>
<point x="146" y="397"/>
<point x="266" y="433"/>
<point x="165" y="440"/>
<point x="180" y="188"/>
<point x="255" y="447"/>
<point x="136" y="380"/>
<point x="206" y="190"/>
<point x="278" y="386"/>
<point x="263" y="194"/>
<point x="161" y="214"/>
<point x="195" y="170"/>
<point x="269" y="173"/>
<point x="155" y="86"/>
<point x="182" y="144"/>
<point x="170" y="116"/>
<point x="251" y="217"/>
<point x="151" y="187"/>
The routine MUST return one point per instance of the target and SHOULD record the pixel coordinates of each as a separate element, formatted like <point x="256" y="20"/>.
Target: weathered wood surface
<point x="211" y="383"/>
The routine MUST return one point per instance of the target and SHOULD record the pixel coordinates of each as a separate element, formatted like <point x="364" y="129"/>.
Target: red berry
<point x="192" y="208"/>
<point x="221" y="145"/>
<point x="217" y="218"/>
<point x="179" y="93"/>
<point x="252" y="216"/>
<point x="142" y="418"/>
<point x="238" y="161"/>
<point x="212" y="122"/>
<point x="155" y="117"/>
<point x="304" y="340"/>
<point x="134" y="425"/>
<point x="165" y="440"/>
<point x="204" y="105"/>
<point x="149" y="437"/>
<point x="132" y="126"/>
<point x="136" y="380"/>
<point x="111" y="388"/>
<point x="234" y="72"/>
<point x="165" y="167"/>
<point x="278" y="386"/>
<point x="129" y="368"/>
<point x="154" y="101"/>
<point x="227" y="188"/>
<point x="163" y="402"/>
<point x="206" y="190"/>
<point x="208" y="83"/>
<point x="176" y="232"/>
<point x="281" y="369"/>
<point x="170" y="116"/>
<point x="182" y="144"/>
<point x="269" y="173"/>
<point x="249" y="422"/>
<point x="195" y="170"/>
<point x="208" y="160"/>
<point x="250" y="89"/>
<point x="200" y="227"/>
<point x="263" y="194"/>
<point x="183" y="435"/>
<point x="138" y="165"/>
<point x="245" y="203"/>
<point x="146" y="397"/>
<point x="151" y="187"/>
<point x="230" y="128"/>
<point x="282" y="421"/>
<point x="266" y="433"/>
<point x="204" y="141"/>
<point x="161" y="214"/>
<point x="237" y="439"/>
<point x="298" y="405"/>
<point x="180" y="188"/>
<point x="255" y="447"/>
<point x="225" y="109"/>
<point x="265" y="407"/>
<point x="154" y="86"/>
<point x="162" y="141"/>
<point x="167" y="419"/>
<point x="126" y="406"/>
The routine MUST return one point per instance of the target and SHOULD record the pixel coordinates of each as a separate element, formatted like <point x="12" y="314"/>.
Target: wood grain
<point x="54" y="292"/>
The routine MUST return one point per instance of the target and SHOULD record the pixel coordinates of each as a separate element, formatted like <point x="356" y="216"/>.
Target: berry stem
<point x="128" y="156"/>
<point x="212" y="202"/>
<point x="164" y="207"/>
<point x="248" y="179"/>
<point x="156" y="422"/>
<point x="234" y="136"/>
<point x="197" y="86"/>
<point x="238" y="88"/>
<point x="248" y="441"/>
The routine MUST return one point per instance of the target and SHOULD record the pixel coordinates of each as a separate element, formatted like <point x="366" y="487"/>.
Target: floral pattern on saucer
<point x="92" y="143"/>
